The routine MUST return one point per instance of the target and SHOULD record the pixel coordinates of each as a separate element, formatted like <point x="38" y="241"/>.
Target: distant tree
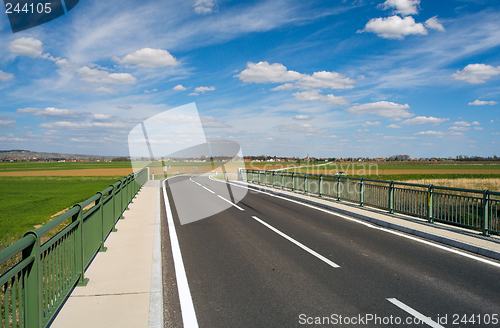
<point x="120" y="159"/>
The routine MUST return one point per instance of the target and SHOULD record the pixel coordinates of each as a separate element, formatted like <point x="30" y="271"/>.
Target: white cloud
<point x="148" y="57"/>
<point x="126" y="107"/>
<point x="28" y="110"/>
<point x="461" y="123"/>
<point x="212" y="122"/>
<point x="478" y="128"/>
<point x="439" y="134"/>
<point x="476" y="73"/>
<point x="51" y="113"/>
<point x="382" y="109"/>
<point x="80" y="139"/>
<point x="63" y="63"/>
<point x="403" y="7"/>
<point x="425" y="120"/>
<point x="204" y="6"/>
<point x="26" y="47"/>
<point x="7" y="123"/>
<point x="495" y="133"/>
<point x="11" y="138"/>
<point x="332" y="80"/>
<point x="302" y="117"/>
<point x="394" y="126"/>
<point x="103" y="118"/>
<point x="203" y="89"/>
<point x="90" y="75"/>
<point x="193" y="94"/>
<point x="459" y="128"/>
<point x="262" y="72"/>
<point x="394" y="27"/>
<point x="371" y="124"/>
<point x="179" y="87"/>
<point x="433" y="23"/>
<point x="106" y="90"/>
<point x="4" y="77"/>
<point x="286" y="86"/>
<point x="476" y="123"/>
<point x="77" y="126"/>
<point x="482" y="103"/>
<point x="148" y="91"/>
<point x="293" y="127"/>
<point x="314" y="95"/>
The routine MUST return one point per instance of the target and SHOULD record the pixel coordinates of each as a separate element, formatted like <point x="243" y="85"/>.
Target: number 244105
<point x="39" y="8"/>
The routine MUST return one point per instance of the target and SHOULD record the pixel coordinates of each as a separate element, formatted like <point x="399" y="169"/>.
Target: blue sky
<point x="286" y="78"/>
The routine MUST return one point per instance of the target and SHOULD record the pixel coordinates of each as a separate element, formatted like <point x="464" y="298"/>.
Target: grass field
<point x="26" y="202"/>
<point x="471" y="175"/>
<point x="31" y="192"/>
<point x="44" y="166"/>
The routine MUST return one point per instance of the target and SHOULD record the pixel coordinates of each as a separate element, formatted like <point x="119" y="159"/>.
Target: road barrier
<point x="474" y="209"/>
<point x="34" y="288"/>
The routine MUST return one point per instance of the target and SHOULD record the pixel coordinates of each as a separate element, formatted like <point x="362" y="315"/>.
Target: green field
<point x="43" y="166"/>
<point x="26" y="202"/>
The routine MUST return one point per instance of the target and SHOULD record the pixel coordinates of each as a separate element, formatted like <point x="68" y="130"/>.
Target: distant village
<point x="29" y="156"/>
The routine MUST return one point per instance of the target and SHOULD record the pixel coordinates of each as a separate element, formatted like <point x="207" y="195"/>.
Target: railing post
<point x="361" y="192"/>
<point x="79" y="248"/>
<point x="33" y="284"/>
<point x="113" y="200"/>
<point x="129" y="190"/>
<point x="122" y="190"/>
<point x="338" y="189"/>
<point x="282" y="180"/>
<point x="486" y="213"/>
<point x="305" y="183"/>
<point x="430" y="204"/>
<point x="103" y="231"/>
<point x="320" y="181"/>
<point x="273" y="177"/>
<point x="293" y="181"/>
<point x="391" y="197"/>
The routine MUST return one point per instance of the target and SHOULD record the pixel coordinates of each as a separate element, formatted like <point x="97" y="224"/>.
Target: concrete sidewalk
<point x="466" y="239"/>
<point x="124" y="288"/>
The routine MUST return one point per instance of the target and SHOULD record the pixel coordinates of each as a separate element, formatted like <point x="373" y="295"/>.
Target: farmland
<point x="27" y="202"/>
<point x="32" y="192"/>
<point x="472" y="175"/>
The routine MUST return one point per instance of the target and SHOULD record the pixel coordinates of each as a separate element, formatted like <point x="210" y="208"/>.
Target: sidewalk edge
<point x="156" y="297"/>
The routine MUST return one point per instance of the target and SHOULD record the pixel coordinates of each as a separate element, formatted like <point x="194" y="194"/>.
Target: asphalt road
<point x="270" y="262"/>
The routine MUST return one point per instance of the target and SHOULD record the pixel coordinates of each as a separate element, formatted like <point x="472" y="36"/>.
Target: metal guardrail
<point x="33" y="289"/>
<point x="474" y="209"/>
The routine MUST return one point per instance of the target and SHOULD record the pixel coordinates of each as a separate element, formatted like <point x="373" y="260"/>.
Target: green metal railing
<point x="33" y="289"/>
<point x="475" y="209"/>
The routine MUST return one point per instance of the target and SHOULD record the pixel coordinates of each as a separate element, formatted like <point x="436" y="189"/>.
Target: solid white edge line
<point x="380" y="228"/>
<point x="156" y="297"/>
<point x="230" y="203"/>
<point x="414" y="313"/>
<point x="208" y="189"/>
<point x="187" y="307"/>
<point x="304" y="247"/>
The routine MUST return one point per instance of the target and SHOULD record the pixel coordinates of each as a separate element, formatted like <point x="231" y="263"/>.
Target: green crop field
<point x="43" y="166"/>
<point x="26" y="202"/>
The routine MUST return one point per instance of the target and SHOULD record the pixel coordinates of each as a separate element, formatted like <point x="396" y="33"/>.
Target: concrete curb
<point x="427" y="235"/>
<point x="156" y="299"/>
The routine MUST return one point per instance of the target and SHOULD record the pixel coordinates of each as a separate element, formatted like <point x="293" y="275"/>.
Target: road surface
<point x="272" y="262"/>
